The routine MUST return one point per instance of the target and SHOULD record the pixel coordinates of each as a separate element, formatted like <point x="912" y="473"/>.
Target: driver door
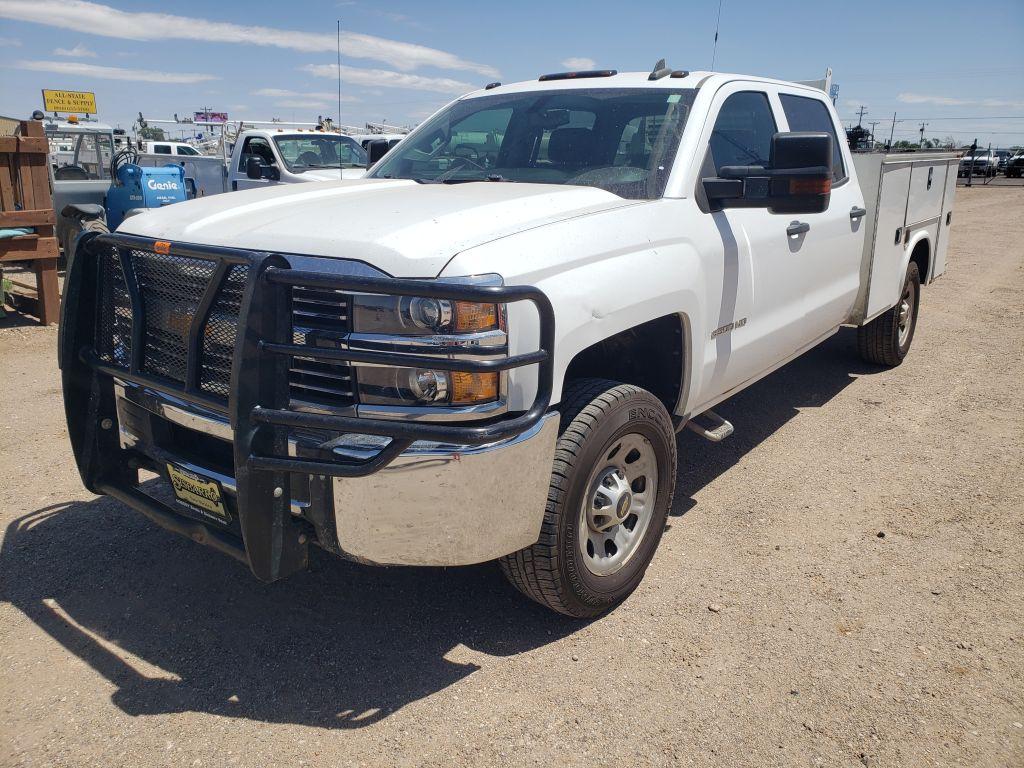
<point x="260" y="147"/>
<point x="756" y="298"/>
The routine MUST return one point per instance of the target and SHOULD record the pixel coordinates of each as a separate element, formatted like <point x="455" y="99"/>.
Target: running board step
<point x="721" y="429"/>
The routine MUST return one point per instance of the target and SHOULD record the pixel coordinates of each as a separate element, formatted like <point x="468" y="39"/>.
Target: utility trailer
<point x="908" y="202"/>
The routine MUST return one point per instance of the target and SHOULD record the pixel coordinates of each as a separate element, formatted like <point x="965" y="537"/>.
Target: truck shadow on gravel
<point x="810" y="381"/>
<point x="176" y="627"/>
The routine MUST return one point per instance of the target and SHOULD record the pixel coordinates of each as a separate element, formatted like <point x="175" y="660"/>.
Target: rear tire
<point x="886" y="340"/>
<point x="611" y="489"/>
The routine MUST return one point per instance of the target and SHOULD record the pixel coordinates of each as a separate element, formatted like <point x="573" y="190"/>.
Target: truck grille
<point x="171" y="289"/>
<point x="319" y="318"/>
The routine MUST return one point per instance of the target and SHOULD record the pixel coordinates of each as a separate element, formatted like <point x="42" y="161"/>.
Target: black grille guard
<point x="257" y="404"/>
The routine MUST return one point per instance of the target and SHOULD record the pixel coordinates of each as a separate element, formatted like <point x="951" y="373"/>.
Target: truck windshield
<point x="619" y="139"/>
<point x="301" y="153"/>
<point x="80" y="156"/>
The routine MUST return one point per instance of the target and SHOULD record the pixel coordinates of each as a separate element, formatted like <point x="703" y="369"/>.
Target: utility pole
<point x="920" y="144"/>
<point x="893" y="131"/>
<point x="873" y="124"/>
<point x="860" y="117"/>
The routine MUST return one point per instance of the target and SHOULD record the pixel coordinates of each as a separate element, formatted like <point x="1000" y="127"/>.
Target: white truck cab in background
<point x="264" y="157"/>
<point x="178" y="148"/>
<point x="485" y="348"/>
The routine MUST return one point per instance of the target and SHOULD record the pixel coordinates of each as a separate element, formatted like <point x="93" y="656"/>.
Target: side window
<point x="807" y="114"/>
<point x="187" y="151"/>
<point x="256" y="145"/>
<point x="161" y="149"/>
<point x="743" y="131"/>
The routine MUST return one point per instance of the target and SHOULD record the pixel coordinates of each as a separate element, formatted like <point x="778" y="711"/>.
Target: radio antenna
<point x="341" y="168"/>
<point x="718" y="21"/>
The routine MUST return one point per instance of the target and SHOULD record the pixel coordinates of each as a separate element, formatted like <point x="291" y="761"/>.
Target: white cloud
<point x="386" y="79"/>
<point x="112" y="73"/>
<point x="79" y="51"/>
<point x="10" y="42"/>
<point x="106" y="21"/>
<point x="579" y="63"/>
<point x="303" y="99"/>
<point x="918" y="98"/>
<point x="949" y="101"/>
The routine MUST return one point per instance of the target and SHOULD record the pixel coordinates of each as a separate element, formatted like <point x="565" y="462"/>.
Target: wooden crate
<point x="26" y="201"/>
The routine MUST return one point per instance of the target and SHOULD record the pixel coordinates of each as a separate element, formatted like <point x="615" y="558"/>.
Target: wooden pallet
<point x="26" y="201"/>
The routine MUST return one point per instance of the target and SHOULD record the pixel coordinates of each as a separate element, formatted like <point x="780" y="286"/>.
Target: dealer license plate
<point x="199" y="493"/>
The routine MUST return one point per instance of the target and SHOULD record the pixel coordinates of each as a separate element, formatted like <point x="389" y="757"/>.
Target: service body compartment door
<point x="945" y="222"/>
<point x="927" y="185"/>
<point x="885" y="278"/>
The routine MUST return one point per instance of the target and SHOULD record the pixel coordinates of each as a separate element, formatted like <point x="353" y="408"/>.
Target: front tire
<point x="610" y="492"/>
<point x="886" y="340"/>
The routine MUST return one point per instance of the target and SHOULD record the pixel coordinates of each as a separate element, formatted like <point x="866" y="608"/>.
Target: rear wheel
<point x="886" y="340"/>
<point x="610" y="493"/>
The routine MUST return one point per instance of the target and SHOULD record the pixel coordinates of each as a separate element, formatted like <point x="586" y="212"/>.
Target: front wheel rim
<point x="618" y="504"/>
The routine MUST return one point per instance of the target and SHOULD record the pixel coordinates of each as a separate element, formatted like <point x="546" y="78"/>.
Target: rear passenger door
<point x="833" y="246"/>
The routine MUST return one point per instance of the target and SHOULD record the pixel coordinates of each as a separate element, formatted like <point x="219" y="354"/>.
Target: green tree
<point x="152" y="133"/>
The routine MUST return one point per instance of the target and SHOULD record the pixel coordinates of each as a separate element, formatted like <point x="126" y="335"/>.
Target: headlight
<point x="419" y="386"/>
<point x="421" y="316"/>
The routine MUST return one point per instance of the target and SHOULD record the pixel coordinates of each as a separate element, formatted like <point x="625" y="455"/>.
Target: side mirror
<point x="254" y="167"/>
<point x="797" y="179"/>
<point x="375" y="150"/>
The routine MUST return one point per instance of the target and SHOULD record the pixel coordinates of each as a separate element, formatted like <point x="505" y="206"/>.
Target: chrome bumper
<point x="435" y="504"/>
<point x="449" y="505"/>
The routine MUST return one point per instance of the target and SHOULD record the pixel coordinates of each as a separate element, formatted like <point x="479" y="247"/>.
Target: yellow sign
<point x="197" y="492"/>
<point x="79" y="102"/>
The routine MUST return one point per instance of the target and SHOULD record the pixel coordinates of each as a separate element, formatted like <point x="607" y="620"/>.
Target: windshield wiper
<point x="444" y="180"/>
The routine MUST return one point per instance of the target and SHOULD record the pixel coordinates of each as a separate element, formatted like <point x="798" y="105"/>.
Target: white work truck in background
<point x="264" y="157"/>
<point x="485" y="348"/>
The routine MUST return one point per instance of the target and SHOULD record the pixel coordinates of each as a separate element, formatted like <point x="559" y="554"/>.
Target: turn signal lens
<point x="162" y="247"/>
<point x="470" y="388"/>
<point x="472" y="316"/>
<point x="810" y="186"/>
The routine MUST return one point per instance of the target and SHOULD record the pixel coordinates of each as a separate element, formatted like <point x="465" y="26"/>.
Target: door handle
<point x="857" y="212"/>
<point x="797" y="228"/>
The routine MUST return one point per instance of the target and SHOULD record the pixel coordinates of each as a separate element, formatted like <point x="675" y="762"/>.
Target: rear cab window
<point x="804" y="113"/>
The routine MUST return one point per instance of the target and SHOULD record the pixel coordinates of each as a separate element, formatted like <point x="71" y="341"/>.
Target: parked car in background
<point x="981" y="163"/>
<point x="1015" y="166"/>
<point x="168" y="148"/>
<point x="1002" y="155"/>
<point x="264" y="157"/>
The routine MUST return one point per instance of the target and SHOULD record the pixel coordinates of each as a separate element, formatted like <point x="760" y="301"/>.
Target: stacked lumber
<point x="25" y="201"/>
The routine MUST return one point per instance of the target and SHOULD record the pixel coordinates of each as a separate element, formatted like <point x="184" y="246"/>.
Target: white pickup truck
<point x="264" y="157"/>
<point x="484" y="350"/>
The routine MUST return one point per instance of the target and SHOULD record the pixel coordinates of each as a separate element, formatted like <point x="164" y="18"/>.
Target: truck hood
<point x="402" y="227"/>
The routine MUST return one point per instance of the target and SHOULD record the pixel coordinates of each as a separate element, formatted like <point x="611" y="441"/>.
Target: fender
<point x="615" y="283"/>
<point x="916" y="237"/>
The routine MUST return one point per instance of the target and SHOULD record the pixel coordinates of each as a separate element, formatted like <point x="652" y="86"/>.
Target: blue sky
<point x="401" y="60"/>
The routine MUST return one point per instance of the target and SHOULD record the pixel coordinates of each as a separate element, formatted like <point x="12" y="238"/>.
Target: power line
<point x="985" y="117"/>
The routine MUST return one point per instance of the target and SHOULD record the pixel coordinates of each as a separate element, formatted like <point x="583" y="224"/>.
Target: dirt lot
<point x="861" y="536"/>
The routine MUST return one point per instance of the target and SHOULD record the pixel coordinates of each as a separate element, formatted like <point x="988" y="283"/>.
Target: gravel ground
<point x="841" y="585"/>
